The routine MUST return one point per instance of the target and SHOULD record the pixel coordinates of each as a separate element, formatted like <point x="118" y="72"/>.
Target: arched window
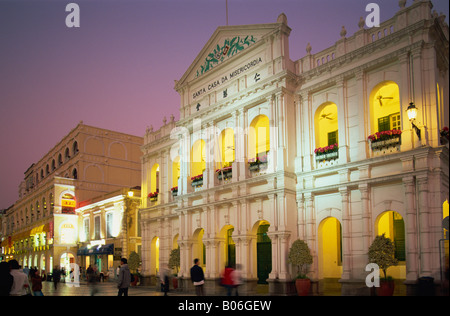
<point x="154" y="178"/>
<point x="67" y="154"/>
<point x="391" y="224"/>
<point x="259" y="137"/>
<point x="60" y="161"/>
<point x="75" y="148"/>
<point x="198" y="158"/>
<point x="75" y="173"/>
<point x="385" y="107"/>
<point x="53" y="165"/>
<point x="175" y="171"/>
<point x="326" y="125"/>
<point x="226" y="148"/>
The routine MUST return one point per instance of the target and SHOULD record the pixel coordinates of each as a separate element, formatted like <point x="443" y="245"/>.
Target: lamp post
<point x="412" y="114"/>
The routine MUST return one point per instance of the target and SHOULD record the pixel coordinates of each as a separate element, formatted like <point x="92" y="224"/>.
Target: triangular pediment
<point x="226" y="43"/>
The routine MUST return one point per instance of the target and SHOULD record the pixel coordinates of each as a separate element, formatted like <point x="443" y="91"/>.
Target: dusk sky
<point x="117" y="70"/>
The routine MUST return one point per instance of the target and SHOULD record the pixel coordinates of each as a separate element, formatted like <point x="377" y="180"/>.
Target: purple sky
<point x="117" y="70"/>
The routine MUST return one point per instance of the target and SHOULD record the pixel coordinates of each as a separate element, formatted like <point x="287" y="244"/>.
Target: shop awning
<point x="96" y="250"/>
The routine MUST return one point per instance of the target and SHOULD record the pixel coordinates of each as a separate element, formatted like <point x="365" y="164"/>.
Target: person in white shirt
<point x="20" y="283"/>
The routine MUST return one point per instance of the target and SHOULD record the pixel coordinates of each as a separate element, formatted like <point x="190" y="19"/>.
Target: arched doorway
<point x="391" y="224"/>
<point x="66" y="260"/>
<point x="263" y="252"/>
<point x="198" y="247"/>
<point x="229" y="250"/>
<point x="154" y="256"/>
<point x="330" y="248"/>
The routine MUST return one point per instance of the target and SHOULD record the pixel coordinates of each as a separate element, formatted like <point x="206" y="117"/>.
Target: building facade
<point x="269" y="150"/>
<point x="41" y="228"/>
<point x="108" y="230"/>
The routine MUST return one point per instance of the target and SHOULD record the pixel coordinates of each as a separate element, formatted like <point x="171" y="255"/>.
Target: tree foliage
<point x="174" y="259"/>
<point x="382" y="252"/>
<point x="134" y="261"/>
<point x="300" y="255"/>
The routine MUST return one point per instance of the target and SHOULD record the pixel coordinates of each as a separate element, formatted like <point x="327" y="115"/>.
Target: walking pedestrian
<point x="227" y="281"/>
<point x="124" y="278"/>
<point x="93" y="279"/>
<point x="164" y="278"/>
<point x="20" y="285"/>
<point x="6" y="279"/>
<point x="236" y="277"/>
<point x="198" y="277"/>
<point x="56" y="277"/>
<point x="36" y="284"/>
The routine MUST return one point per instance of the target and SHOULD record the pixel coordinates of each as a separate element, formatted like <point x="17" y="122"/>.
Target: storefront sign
<point x="68" y="203"/>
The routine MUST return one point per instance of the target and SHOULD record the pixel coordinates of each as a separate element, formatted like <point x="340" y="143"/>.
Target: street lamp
<point x="412" y="114"/>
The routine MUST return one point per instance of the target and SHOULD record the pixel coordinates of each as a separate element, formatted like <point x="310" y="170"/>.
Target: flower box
<point x="153" y="196"/>
<point x="444" y="135"/>
<point x="226" y="173"/>
<point x="174" y="191"/>
<point x="385" y="139"/>
<point x="255" y="164"/>
<point x="197" y="180"/>
<point x="327" y="153"/>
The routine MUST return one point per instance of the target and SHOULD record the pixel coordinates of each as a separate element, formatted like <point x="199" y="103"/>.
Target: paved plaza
<point x="101" y="289"/>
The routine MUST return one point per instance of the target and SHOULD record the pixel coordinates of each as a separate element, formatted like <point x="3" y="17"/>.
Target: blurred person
<point x="56" y="277"/>
<point x="36" y="284"/>
<point x="93" y="280"/>
<point x="227" y="281"/>
<point x="20" y="284"/>
<point x="164" y="278"/>
<point x="236" y="277"/>
<point x="6" y="279"/>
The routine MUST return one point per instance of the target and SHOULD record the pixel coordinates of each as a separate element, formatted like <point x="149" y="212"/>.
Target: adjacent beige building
<point x="41" y="228"/>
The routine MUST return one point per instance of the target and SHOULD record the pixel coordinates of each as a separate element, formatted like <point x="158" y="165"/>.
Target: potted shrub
<point x="300" y="255"/>
<point x="133" y="263"/>
<point x="174" y="263"/>
<point x="382" y="253"/>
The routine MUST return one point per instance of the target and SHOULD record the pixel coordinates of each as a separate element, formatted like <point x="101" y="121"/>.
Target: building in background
<point x="41" y="228"/>
<point x="109" y="229"/>
<point x="325" y="149"/>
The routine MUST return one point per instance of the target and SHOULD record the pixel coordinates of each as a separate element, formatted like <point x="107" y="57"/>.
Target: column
<point x="366" y="216"/>
<point x="424" y="227"/>
<point x="411" y="229"/>
<point x="346" y="234"/>
<point x="363" y="107"/>
<point x="311" y="233"/>
<point x="342" y="122"/>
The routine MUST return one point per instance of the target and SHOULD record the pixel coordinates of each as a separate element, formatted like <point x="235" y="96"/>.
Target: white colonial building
<point x="269" y="150"/>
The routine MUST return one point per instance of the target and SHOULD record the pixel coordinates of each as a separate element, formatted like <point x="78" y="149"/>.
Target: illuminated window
<point x="198" y="158"/>
<point x="97" y="227"/>
<point x="109" y="225"/>
<point x="226" y="148"/>
<point x="385" y="107"/>
<point x="175" y="171"/>
<point x="326" y="125"/>
<point x="259" y="137"/>
<point x="86" y="229"/>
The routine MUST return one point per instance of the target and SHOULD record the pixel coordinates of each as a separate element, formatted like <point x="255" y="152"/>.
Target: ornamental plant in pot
<point x="174" y="263"/>
<point x="300" y="255"/>
<point x="382" y="252"/>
